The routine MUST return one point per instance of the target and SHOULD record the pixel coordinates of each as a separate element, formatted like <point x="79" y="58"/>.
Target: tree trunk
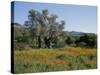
<point x="47" y="42"/>
<point x="39" y="41"/>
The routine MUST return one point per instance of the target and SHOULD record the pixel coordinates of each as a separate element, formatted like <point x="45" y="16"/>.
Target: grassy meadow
<point x="46" y="60"/>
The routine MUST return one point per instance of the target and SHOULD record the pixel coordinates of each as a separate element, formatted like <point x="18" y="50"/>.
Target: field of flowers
<point x="46" y="60"/>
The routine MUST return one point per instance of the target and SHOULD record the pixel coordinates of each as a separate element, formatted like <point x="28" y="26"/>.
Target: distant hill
<point x="17" y="25"/>
<point x="75" y="33"/>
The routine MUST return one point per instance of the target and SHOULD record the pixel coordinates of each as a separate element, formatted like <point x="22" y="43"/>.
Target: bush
<point x="21" y="46"/>
<point x="81" y="44"/>
<point x="73" y="45"/>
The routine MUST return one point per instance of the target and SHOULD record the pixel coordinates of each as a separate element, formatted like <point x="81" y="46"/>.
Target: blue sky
<point x="77" y="17"/>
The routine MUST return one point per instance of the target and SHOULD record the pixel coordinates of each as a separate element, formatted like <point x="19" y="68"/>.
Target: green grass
<point x="46" y="60"/>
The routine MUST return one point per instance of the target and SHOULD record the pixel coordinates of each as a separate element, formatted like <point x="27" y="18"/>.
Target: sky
<point x="80" y="18"/>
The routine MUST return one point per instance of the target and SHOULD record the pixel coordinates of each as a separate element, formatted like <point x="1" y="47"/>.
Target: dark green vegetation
<point x="42" y="45"/>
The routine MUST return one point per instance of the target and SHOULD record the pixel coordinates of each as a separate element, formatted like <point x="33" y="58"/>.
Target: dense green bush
<point x="88" y="40"/>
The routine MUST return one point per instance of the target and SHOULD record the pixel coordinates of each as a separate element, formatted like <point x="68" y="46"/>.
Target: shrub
<point x="81" y="44"/>
<point x="21" y="46"/>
